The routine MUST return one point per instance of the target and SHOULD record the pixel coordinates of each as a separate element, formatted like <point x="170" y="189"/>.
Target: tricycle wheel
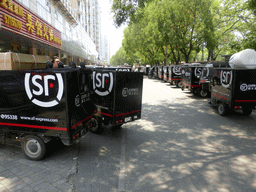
<point x="203" y="93"/>
<point x="95" y="125"/>
<point x="247" y="111"/>
<point x="178" y="84"/>
<point x="33" y="147"/>
<point x="222" y="109"/>
<point x="195" y="91"/>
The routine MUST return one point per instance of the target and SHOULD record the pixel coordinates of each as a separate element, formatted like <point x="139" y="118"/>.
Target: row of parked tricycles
<point x="40" y="105"/>
<point x="171" y="74"/>
<point x="229" y="85"/>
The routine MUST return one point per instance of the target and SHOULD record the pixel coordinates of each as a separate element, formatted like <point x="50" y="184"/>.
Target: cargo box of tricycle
<point x="234" y="89"/>
<point x="206" y="76"/>
<point x="166" y="73"/>
<point x="117" y="95"/>
<point x="40" y="105"/>
<point x="190" y="77"/>
<point x="175" y="75"/>
<point x="160" y="72"/>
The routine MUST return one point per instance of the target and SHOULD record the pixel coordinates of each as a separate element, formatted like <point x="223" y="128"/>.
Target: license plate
<point x="127" y="119"/>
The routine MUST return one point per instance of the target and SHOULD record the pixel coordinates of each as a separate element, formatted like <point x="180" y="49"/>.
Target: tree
<point x="121" y="57"/>
<point x="229" y="21"/>
<point x="124" y="10"/>
<point x="157" y="32"/>
<point x="183" y="26"/>
<point x="252" y="5"/>
<point x="138" y="42"/>
<point x="174" y="30"/>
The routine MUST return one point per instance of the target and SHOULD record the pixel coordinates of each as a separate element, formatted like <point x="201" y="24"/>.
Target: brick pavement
<point x="55" y="173"/>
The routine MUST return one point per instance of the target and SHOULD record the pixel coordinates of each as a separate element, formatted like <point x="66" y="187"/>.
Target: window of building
<point x="24" y="2"/>
<point x="44" y="10"/>
<point x="68" y="30"/>
<point x="58" y="21"/>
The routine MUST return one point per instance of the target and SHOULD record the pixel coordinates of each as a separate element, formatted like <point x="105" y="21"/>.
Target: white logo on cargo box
<point x="245" y="87"/>
<point x="207" y="72"/>
<point x="127" y="92"/>
<point x="198" y="71"/>
<point x="187" y="74"/>
<point x="82" y="98"/>
<point x="102" y="83"/>
<point x="176" y="70"/>
<point x="226" y="78"/>
<point x="41" y="86"/>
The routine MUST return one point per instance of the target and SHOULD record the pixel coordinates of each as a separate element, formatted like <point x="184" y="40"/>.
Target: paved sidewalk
<point x="55" y="173"/>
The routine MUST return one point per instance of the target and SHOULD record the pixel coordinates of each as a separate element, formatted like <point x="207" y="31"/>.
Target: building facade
<point x="105" y="50"/>
<point x="69" y="29"/>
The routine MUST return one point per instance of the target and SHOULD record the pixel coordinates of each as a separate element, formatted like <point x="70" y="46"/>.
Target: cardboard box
<point x="20" y="61"/>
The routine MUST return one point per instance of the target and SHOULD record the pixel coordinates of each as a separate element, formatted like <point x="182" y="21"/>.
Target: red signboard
<point x="18" y="19"/>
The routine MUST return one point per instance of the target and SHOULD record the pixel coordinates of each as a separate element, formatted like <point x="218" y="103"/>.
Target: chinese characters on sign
<point x="38" y="26"/>
<point x="12" y="22"/>
<point x="12" y="7"/>
<point x="41" y="29"/>
<point x="29" y="24"/>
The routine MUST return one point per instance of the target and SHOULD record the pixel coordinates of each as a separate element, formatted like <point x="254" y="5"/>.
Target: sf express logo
<point x="44" y="90"/>
<point x="102" y="83"/>
<point x="247" y="87"/>
<point x="226" y="78"/>
<point x="206" y="72"/>
<point x="177" y="70"/>
<point x="126" y="70"/>
<point x="127" y="92"/>
<point x="81" y="99"/>
<point x="198" y="71"/>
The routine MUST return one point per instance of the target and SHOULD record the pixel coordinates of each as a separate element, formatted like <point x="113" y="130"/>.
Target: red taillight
<point x="119" y="121"/>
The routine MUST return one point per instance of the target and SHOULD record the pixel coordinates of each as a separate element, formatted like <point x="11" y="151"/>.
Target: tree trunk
<point x="210" y="55"/>
<point x="186" y="58"/>
<point x="195" y="57"/>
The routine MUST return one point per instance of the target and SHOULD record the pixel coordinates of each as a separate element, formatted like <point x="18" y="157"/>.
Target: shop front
<point x="23" y="32"/>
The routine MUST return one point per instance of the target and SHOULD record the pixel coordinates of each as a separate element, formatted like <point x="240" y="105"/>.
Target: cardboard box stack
<point x="20" y="61"/>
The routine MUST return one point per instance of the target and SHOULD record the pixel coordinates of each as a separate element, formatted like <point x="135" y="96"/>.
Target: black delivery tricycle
<point x="38" y="106"/>
<point x="190" y="77"/>
<point x="118" y="97"/>
<point x="206" y="76"/>
<point x="234" y="89"/>
<point x="175" y="75"/>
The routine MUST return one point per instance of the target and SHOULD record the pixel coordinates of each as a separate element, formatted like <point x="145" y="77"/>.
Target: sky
<point x="113" y="34"/>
